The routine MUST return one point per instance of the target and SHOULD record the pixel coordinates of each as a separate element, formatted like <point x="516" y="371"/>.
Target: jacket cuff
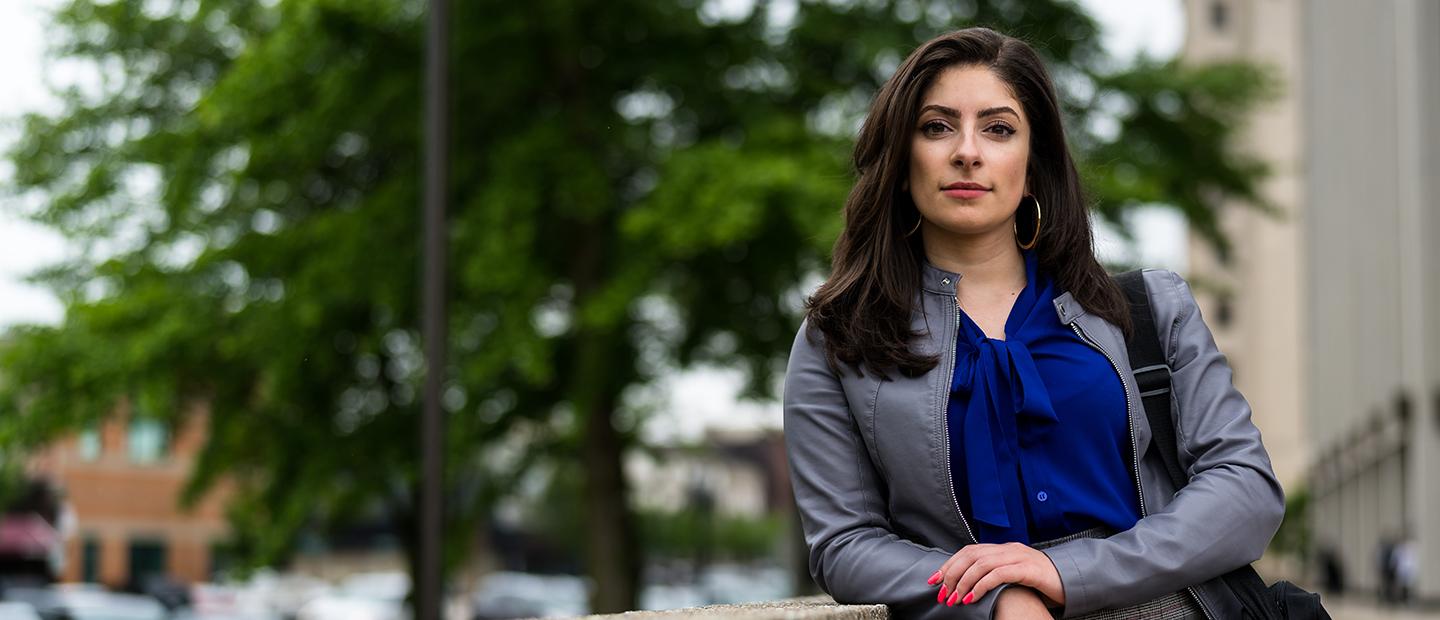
<point x="1072" y="581"/>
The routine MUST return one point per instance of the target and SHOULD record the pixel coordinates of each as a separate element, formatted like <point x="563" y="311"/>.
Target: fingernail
<point x="934" y="579"/>
<point x="953" y="597"/>
<point x="969" y="598"/>
<point x="943" y="591"/>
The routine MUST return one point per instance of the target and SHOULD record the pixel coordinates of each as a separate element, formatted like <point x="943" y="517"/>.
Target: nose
<point x="967" y="151"/>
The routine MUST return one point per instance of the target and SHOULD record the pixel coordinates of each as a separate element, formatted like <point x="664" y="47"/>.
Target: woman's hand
<point x="979" y="568"/>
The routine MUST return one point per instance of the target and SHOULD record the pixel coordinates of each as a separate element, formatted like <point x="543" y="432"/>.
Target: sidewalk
<point x="1366" y="608"/>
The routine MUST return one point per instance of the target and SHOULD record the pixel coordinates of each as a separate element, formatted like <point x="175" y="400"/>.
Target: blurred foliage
<point x="558" y="515"/>
<point x="1179" y="121"/>
<point x="13" y="482"/>
<point x="1294" y="535"/>
<point x="638" y="186"/>
<point x="691" y="533"/>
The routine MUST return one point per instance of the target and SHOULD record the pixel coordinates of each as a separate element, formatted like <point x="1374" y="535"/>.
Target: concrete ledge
<point x="806" y="608"/>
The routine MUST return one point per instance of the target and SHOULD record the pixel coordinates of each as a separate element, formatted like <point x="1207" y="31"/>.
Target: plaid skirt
<point x="1174" y="606"/>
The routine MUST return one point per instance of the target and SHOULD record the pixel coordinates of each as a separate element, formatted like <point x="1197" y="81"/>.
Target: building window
<point x="147" y="561"/>
<point x="90" y="445"/>
<point x="149" y="440"/>
<point x="90" y="560"/>
<point x="1219" y="15"/>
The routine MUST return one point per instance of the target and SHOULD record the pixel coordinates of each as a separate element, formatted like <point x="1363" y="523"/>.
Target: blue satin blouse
<point x="1040" y="436"/>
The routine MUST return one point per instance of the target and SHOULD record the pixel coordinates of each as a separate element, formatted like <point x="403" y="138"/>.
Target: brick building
<point x="122" y="481"/>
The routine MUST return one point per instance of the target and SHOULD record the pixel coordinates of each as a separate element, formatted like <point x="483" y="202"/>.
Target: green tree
<point x="638" y="186"/>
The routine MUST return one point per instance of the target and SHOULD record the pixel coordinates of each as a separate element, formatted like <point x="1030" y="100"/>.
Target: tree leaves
<point x="637" y="186"/>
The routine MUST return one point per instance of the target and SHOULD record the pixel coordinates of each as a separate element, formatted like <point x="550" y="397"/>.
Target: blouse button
<point x="946" y="281"/>
<point x="1042" y="496"/>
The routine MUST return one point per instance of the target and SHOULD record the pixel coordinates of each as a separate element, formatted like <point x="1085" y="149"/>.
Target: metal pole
<point x="437" y="163"/>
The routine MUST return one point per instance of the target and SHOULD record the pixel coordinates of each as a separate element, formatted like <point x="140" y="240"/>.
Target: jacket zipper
<point x="1135" y="449"/>
<point x="945" y="415"/>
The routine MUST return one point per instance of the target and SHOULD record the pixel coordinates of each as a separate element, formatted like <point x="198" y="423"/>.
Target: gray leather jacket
<point x="869" y="461"/>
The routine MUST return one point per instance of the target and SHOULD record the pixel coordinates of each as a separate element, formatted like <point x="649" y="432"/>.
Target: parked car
<point x="363" y="596"/>
<point x="172" y="594"/>
<point x="88" y="603"/>
<point x="505" y="595"/>
<point x="15" y="610"/>
<point x="213" y="601"/>
<point x="283" y="594"/>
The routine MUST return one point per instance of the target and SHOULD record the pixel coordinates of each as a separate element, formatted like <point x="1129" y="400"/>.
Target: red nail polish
<point x="943" y="591"/>
<point x="934" y="579"/>
<point x="969" y="598"/>
<point x="953" y="597"/>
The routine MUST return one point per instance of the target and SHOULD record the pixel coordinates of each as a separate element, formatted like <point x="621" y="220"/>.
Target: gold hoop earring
<point x="918" y="220"/>
<point x="1034" y="239"/>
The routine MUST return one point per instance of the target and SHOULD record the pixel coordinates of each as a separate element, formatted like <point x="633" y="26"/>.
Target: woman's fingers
<point x="977" y="569"/>
<point x="965" y="554"/>
<point x="965" y="579"/>
<point x="1010" y="573"/>
<point x="958" y="560"/>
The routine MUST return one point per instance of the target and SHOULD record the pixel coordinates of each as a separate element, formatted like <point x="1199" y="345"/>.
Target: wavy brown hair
<point x="864" y="308"/>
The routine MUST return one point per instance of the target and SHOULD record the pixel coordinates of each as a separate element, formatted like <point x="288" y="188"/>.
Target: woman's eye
<point x="933" y="128"/>
<point x="1004" y="130"/>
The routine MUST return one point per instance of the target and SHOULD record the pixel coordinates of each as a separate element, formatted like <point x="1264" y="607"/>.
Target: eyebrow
<point x="953" y="113"/>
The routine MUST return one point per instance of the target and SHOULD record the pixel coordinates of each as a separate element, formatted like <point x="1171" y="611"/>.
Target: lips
<point x="964" y="190"/>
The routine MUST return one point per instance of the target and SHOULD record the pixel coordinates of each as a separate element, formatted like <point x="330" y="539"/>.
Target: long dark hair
<point x="864" y="308"/>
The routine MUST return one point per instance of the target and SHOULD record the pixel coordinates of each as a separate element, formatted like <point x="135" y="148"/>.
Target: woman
<point x="964" y="432"/>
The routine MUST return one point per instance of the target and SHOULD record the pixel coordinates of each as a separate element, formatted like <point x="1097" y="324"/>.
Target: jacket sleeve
<point x="854" y="554"/>
<point x="1223" y="518"/>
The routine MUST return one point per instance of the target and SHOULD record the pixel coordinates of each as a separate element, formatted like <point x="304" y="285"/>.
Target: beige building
<point x="1327" y="313"/>
<point x="1252" y="298"/>
<point x="744" y="474"/>
<point x="1374" y="155"/>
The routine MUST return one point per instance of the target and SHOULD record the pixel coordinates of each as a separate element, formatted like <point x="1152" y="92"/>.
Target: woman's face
<point x="968" y="153"/>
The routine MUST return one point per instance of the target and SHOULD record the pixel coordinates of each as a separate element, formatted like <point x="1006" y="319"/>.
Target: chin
<point x="966" y="226"/>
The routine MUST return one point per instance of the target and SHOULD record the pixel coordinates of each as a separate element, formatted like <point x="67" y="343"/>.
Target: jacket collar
<point x="936" y="280"/>
<point x="1067" y="308"/>
<point x="941" y="282"/>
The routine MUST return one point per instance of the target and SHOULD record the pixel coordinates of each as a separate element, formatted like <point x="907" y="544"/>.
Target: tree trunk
<point x="611" y="549"/>
<point x="405" y="520"/>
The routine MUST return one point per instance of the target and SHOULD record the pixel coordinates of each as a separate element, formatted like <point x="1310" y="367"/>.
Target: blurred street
<point x="1357" y="608"/>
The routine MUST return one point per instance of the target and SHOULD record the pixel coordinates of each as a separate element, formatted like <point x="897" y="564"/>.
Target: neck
<point x="984" y="262"/>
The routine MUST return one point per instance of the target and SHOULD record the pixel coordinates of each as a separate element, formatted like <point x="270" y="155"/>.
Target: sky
<point x="23" y="246"/>
<point x="699" y="399"/>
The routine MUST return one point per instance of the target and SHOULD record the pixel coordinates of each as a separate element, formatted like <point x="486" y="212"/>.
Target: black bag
<point x="1281" y="601"/>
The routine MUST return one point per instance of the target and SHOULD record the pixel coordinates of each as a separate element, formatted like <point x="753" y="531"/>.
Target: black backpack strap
<point x="1152" y="377"/>
<point x="1152" y="373"/>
